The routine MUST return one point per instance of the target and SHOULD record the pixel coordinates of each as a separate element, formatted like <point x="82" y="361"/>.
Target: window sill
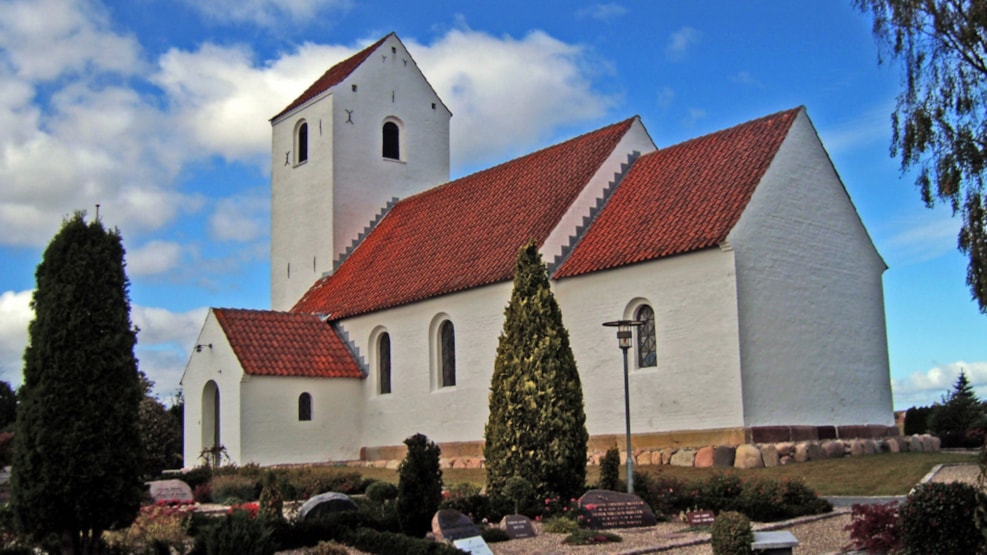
<point x="393" y="160"/>
<point x="302" y="163"/>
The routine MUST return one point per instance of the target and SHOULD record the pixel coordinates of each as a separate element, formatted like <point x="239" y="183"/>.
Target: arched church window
<point x="447" y="352"/>
<point x="647" y="353"/>
<point x="391" y="140"/>
<point x="304" y="407"/>
<point x="301" y="142"/>
<point x="384" y="363"/>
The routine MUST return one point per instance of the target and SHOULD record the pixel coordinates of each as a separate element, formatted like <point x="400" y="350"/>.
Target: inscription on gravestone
<point x="700" y="518"/>
<point x="518" y="527"/>
<point x="610" y="509"/>
<point x="170" y="490"/>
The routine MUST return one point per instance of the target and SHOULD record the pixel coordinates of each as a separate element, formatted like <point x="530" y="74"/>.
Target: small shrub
<point x="381" y="492"/>
<point x="271" y="499"/>
<point x="226" y="488"/>
<point x="492" y="534"/>
<point x="462" y="489"/>
<point x="518" y="490"/>
<point x="560" y="525"/>
<point x="196" y="476"/>
<point x="202" y="493"/>
<point x="760" y="500"/>
<point x="419" y="485"/>
<point x="329" y="548"/>
<point x="610" y="470"/>
<point x="387" y="543"/>
<point x="591" y="537"/>
<point x="937" y="519"/>
<point x="732" y="534"/>
<point x="719" y="491"/>
<point x="237" y="533"/>
<point x="161" y="524"/>
<point x="662" y="493"/>
<point x="800" y="500"/>
<point x="476" y="507"/>
<point x="874" y="528"/>
<point x="555" y="505"/>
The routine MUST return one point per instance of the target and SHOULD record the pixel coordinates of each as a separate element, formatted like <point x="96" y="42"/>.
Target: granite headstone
<point x="324" y="504"/>
<point x="450" y="525"/>
<point x="518" y="527"/>
<point x="610" y="509"/>
<point x="170" y="490"/>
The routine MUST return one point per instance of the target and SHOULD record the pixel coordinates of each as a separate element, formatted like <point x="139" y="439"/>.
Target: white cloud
<point x="860" y="130"/>
<point x="602" y="12"/>
<point x="680" y="42"/>
<point x="155" y="257"/>
<point x="920" y="236"/>
<point x="693" y="116"/>
<point x="516" y="105"/>
<point x="240" y="218"/>
<point x="266" y="13"/>
<point x="15" y="315"/>
<point x="746" y="78"/>
<point x="927" y="387"/>
<point x="665" y="97"/>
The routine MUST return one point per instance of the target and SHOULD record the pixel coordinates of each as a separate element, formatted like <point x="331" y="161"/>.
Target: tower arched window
<point x="391" y="135"/>
<point x="384" y="363"/>
<point x="301" y="142"/>
<point x="304" y="407"/>
<point x="647" y="352"/>
<point x="447" y="354"/>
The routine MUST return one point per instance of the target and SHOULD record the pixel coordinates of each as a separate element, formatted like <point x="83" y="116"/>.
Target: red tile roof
<point x="463" y="234"/>
<point x="681" y="198"/>
<point x="269" y="343"/>
<point x="332" y="77"/>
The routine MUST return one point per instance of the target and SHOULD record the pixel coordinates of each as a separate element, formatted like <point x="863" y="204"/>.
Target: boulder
<point x="666" y="455"/>
<point x="683" y="457"/>
<point x="704" y="457"/>
<point x="656" y="458"/>
<point x="894" y="446"/>
<point x="915" y="444"/>
<point x="325" y="503"/>
<point x="748" y="456"/>
<point x="785" y="449"/>
<point x="769" y="455"/>
<point x="833" y="449"/>
<point x="857" y="448"/>
<point x="724" y="456"/>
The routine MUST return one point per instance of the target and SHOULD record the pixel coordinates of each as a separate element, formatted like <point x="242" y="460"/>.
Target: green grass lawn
<point x="885" y="474"/>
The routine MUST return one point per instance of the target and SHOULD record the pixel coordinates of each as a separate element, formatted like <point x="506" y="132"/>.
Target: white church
<point x="741" y="251"/>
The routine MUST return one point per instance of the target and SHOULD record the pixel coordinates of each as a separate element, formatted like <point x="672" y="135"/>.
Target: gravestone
<point x="170" y="490"/>
<point x="517" y="527"/>
<point x="324" y="504"/>
<point x="450" y="525"/>
<point x="473" y="546"/>
<point x="700" y="518"/>
<point x="610" y="509"/>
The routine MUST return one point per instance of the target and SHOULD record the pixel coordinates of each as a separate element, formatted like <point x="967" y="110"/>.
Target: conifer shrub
<point x="476" y="507"/>
<point x="381" y="492"/>
<point x="732" y="534"/>
<point x="536" y="426"/>
<point x="610" y="470"/>
<point x="937" y="519"/>
<point x="419" y="486"/>
<point x="235" y="533"/>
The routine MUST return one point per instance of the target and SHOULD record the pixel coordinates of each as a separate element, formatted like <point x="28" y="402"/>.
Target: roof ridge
<point x="732" y="128"/>
<point x="333" y="76"/>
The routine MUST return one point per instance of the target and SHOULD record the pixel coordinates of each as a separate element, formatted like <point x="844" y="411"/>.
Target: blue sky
<point x="158" y="111"/>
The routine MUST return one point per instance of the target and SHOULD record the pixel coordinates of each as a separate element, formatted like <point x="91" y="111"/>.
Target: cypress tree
<point x="78" y="452"/>
<point x="537" y="426"/>
<point x="419" y="486"/>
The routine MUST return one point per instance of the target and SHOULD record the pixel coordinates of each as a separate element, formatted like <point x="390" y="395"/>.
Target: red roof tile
<point x="682" y="198"/>
<point x="269" y="343"/>
<point x="462" y="234"/>
<point x="332" y="77"/>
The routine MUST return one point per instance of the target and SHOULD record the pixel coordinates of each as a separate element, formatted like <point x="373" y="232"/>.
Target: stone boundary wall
<point x="748" y="455"/>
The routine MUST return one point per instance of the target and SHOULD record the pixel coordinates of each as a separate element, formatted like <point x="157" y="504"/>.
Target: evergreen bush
<point x="957" y="415"/>
<point x="236" y="533"/>
<point x="419" y="486"/>
<point x="664" y="494"/>
<point x="492" y="534"/>
<point x="518" y="490"/>
<point x="536" y="426"/>
<point x="937" y="519"/>
<point x="732" y="534"/>
<point x="917" y="420"/>
<point x="381" y="492"/>
<point x="271" y="499"/>
<point x="476" y="507"/>
<point x="610" y="470"/>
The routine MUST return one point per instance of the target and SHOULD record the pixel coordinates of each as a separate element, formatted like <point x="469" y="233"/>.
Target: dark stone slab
<point x="804" y="433"/>
<point x="518" y="527"/>
<point x="610" y="509"/>
<point x="826" y="432"/>
<point x="324" y="504"/>
<point x="723" y="456"/>
<point x="449" y="525"/>
<point x="170" y="490"/>
<point x="853" y="432"/>
<point x="770" y="434"/>
<point x="700" y="518"/>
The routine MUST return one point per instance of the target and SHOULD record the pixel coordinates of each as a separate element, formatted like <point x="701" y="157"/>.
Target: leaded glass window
<point x="647" y="354"/>
<point x="384" y="363"/>
<point x="447" y="346"/>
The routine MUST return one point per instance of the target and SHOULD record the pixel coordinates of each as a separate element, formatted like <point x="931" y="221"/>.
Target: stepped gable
<point x="681" y="198"/>
<point x="332" y="77"/>
<point x="465" y="233"/>
<point x="270" y="343"/>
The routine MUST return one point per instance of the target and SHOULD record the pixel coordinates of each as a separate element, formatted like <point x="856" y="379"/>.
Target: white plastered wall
<point x="215" y="363"/>
<point x="272" y="432"/>
<point x="811" y="301"/>
<point x="696" y="383"/>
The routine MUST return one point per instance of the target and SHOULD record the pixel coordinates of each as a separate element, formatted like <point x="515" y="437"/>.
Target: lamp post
<point x="625" y="337"/>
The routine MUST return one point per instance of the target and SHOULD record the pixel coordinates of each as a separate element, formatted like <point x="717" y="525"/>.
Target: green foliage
<point x="659" y="491"/>
<point x="560" y="525"/>
<point x="476" y="506"/>
<point x="77" y="447"/>
<point x="419" y="486"/>
<point x="234" y="488"/>
<point x="271" y="499"/>
<point x="518" y="490"/>
<point x="536" y="426"/>
<point x="379" y="492"/>
<point x="940" y="122"/>
<point x="935" y="519"/>
<point x="8" y="407"/>
<point x="388" y="543"/>
<point x="236" y="533"/>
<point x="610" y="470"/>
<point x="732" y="534"/>
<point x="917" y="420"/>
<point x="874" y="528"/>
<point x="956" y="416"/>
<point x="591" y="537"/>
<point x="492" y="534"/>
<point x="161" y="436"/>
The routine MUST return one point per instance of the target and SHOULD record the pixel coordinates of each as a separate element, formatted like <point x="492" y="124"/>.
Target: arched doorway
<point x="211" y="445"/>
